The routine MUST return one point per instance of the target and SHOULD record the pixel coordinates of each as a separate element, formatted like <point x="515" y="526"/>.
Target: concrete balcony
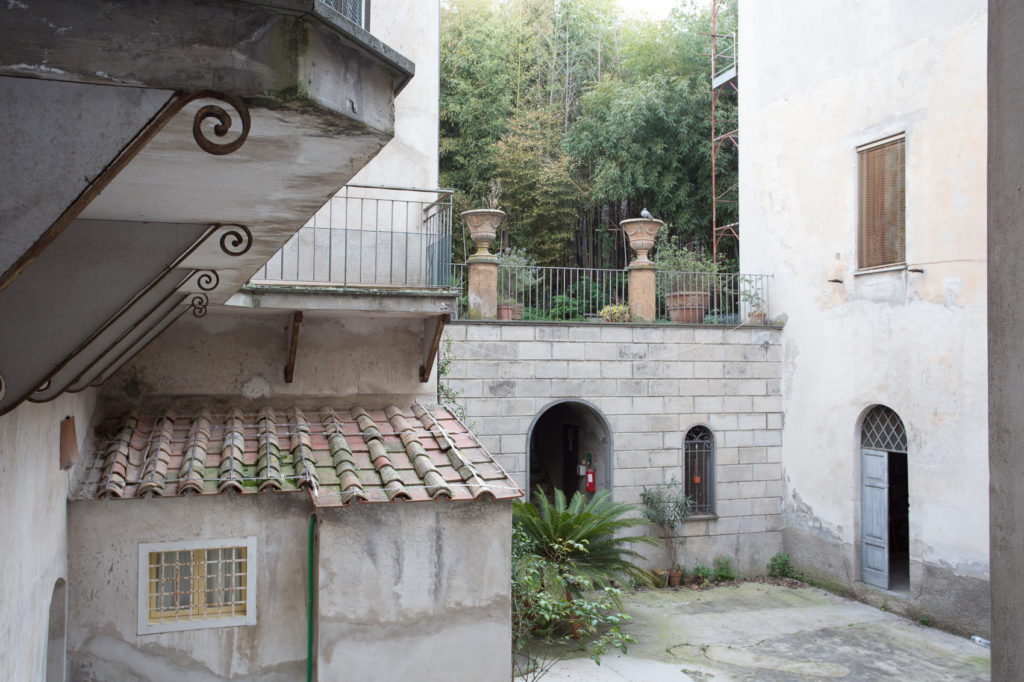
<point x="158" y="153"/>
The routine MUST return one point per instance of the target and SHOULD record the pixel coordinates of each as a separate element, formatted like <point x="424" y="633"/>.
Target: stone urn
<point x="483" y="224"/>
<point x="641" y="232"/>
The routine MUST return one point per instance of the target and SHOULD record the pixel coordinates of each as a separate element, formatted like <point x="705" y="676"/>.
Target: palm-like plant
<point x="584" y="533"/>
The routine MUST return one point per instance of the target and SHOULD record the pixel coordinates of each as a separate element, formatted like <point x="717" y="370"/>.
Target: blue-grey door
<point x="874" y="525"/>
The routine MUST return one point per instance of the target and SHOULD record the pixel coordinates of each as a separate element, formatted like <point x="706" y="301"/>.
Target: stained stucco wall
<point x="240" y="356"/>
<point x="33" y="491"/>
<point x="650" y="384"/>
<point x="415" y="592"/>
<point x="404" y="591"/>
<point x="103" y="546"/>
<point x="817" y="81"/>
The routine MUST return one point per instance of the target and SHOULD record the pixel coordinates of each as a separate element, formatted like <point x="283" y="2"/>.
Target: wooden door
<point x="874" y="524"/>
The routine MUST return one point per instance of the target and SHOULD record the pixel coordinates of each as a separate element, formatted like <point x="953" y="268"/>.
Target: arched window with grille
<point x="699" y="469"/>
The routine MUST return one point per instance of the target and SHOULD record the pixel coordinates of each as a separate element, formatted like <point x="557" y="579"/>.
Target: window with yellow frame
<point x="196" y="584"/>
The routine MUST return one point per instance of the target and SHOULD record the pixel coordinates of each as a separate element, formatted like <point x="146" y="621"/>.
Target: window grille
<point x="202" y="584"/>
<point x="883" y="430"/>
<point x="699" y="460"/>
<point x="882" y="189"/>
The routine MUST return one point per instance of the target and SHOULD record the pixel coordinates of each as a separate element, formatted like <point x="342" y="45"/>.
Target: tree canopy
<point x="583" y="116"/>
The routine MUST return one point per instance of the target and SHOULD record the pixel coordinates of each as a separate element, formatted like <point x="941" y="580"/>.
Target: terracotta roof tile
<point x="340" y="457"/>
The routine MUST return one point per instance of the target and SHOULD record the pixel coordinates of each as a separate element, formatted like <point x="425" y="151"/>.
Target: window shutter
<point x="882" y="205"/>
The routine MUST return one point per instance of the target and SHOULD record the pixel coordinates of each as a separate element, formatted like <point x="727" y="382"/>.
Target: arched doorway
<point x="564" y="437"/>
<point x="885" y="507"/>
<point x="56" y="642"/>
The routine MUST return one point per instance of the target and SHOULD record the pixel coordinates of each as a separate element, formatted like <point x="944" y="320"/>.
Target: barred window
<point x="882" y="190"/>
<point x="699" y="467"/>
<point x="191" y="585"/>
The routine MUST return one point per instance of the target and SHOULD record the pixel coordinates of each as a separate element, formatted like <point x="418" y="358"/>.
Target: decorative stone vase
<point x="641" y="233"/>
<point x="483" y="224"/>
<point x="688" y="307"/>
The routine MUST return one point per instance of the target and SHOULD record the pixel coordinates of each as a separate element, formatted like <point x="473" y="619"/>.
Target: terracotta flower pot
<point x="674" y="576"/>
<point x="688" y="307"/>
<point x="510" y="311"/>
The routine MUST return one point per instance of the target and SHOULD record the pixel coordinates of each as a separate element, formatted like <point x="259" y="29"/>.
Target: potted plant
<point x="667" y="506"/>
<point x="750" y="294"/>
<point x="517" y="273"/>
<point x="687" y="289"/>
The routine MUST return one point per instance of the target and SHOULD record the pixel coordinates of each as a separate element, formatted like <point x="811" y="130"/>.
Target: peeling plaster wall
<point x="913" y="341"/>
<point x="415" y="592"/>
<point x="33" y="491"/>
<point x="103" y="546"/>
<point x="232" y="356"/>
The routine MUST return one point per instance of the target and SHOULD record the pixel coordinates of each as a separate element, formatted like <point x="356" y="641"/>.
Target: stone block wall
<point x="651" y="383"/>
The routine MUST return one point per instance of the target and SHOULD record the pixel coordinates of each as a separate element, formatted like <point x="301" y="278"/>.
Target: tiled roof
<point x="337" y="456"/>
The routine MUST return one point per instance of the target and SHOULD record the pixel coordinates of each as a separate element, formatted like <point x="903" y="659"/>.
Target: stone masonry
<point x="652" y="383"/>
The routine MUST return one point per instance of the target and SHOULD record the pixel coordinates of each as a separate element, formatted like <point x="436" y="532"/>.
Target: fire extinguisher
<point x="591" y="484"/>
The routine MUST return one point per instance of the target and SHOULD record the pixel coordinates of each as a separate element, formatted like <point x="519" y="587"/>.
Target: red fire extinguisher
<point x="591" y="484"/>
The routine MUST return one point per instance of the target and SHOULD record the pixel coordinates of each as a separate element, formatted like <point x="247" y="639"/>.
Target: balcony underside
<point x="130" y="205"/>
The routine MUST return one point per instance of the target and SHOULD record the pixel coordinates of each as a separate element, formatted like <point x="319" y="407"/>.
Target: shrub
<point x="666" y="506"/>
<point x="618" y="312"/>
<point x="724" y="570"/>
<point x="552" y="602"/>
<point x="780" y="566"/>
<point x="702" y="574"/>
<point x="585" y="534"/>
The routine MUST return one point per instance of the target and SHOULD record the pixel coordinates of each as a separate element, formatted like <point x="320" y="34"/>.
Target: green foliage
<point x="667" y="506"/>
<point x="572" y="108"/>
<point x="780" y="566"/>
<point x="618" y="312"/>
<point x="925" y="621"/>
<point x="702" y="574"/>
<point x="586" y="533"/>
<point x="723" y="571"/>
<point x="516" y="274"/>
<point x="670" y="256"/>
<point x="552" y="602"/>
<point x="448" y="395"/>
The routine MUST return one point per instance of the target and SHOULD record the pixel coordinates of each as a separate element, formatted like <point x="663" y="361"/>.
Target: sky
<point x="655" y="9"/>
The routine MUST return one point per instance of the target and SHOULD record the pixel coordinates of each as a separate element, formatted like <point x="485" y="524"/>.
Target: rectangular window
<point x="198" y="584"/>
<point x="698" y="460"/>
<point x="882" y="190"/>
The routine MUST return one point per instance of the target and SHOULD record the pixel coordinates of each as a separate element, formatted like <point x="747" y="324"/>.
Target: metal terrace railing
<point x="355" y="11"/>
<point x="580" y="294"/>
<point x="370" y="236"/>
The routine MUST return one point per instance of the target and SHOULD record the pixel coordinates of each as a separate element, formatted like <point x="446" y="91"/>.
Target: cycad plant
<point x="584" y="533"/>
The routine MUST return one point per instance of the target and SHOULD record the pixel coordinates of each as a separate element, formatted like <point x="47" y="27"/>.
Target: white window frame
<point x="146" y="548"/>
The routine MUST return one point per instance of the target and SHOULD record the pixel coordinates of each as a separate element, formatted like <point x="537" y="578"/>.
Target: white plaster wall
<point x="410" y="159"/>
<point x="415" y="592"/>
<point x="33" y="494"/>
<point x="240" y="356"/>
<point x="819" y="79"/>
<point x="103" y="546"/>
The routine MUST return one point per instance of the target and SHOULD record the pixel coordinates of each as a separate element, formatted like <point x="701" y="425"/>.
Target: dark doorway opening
<point x="565" y="441"/>
<point x="899" y="523"/>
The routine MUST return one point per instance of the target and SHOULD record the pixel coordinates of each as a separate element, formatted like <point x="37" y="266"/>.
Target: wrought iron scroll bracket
<point x="223" y="122"/>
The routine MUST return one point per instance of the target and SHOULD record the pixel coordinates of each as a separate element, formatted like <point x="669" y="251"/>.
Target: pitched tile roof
<point x="337" y="456"/>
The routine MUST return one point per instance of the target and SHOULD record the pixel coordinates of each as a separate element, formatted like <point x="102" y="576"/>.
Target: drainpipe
<point x="309" y="604"/>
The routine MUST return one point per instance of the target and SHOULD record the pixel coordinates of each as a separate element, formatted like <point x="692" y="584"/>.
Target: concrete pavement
<point x="767" y="632"/>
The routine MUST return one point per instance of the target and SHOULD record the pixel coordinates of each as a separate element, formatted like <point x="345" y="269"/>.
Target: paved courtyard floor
<point x="755" y="631"/>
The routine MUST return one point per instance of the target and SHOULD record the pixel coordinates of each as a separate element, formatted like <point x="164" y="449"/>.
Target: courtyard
<point x="755" y="631"/>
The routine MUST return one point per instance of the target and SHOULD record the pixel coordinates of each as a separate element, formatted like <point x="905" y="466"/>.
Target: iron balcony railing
<point x="353" y="10"/>
<point x="370" y="236"/>
<point x="574" y="294"/>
